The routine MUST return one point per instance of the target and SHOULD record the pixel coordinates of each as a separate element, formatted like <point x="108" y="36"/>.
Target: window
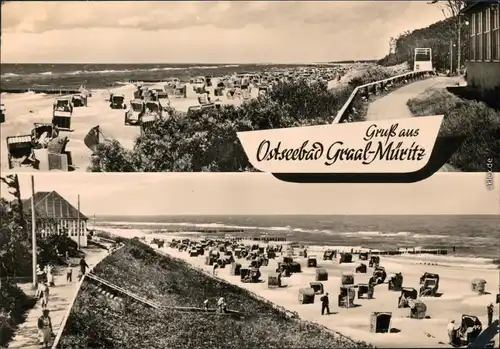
<point x="479" y="36"/>
<point x="495" y="32"/>
<point x="487" y="35"/>
<point x="472" y="48"/>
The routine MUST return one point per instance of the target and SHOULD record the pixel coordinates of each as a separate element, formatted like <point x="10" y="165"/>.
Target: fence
<point x="72" y="303"/>
<point x="375" y="88"/>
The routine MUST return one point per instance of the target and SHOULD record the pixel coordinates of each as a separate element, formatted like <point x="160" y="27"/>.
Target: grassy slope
<point x="478" y="122"/>
<point x="172" y="282"/>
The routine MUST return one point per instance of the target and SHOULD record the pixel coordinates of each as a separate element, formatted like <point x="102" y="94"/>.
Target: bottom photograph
<point x="247" y="261"/>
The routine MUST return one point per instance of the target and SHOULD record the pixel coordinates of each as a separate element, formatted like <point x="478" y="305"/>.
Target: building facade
<point x="56" y="215"/>
<point x="483" y="66"/>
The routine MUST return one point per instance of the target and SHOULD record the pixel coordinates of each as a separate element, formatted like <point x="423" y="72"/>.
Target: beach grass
<point x="479" y="123"/>
<point x="171" y="282"/>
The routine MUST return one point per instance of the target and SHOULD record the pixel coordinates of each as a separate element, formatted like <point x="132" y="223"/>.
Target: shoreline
<point x="418" y="258"/>
<point x="455" y="297"/>
<point x="348" y="322"/>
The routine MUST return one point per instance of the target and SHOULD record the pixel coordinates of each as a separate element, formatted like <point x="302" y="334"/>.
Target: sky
<point x="206" y="31"/>
<point x="261" y="193"/>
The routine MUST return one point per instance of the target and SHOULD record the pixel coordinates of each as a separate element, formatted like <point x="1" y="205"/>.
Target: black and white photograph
<point x="165" y="86"/>
<point x="245" y="261"/>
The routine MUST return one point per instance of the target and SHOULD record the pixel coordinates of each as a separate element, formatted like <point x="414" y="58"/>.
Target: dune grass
<point x="475" y="120"/>
<point x="96" y="321"/>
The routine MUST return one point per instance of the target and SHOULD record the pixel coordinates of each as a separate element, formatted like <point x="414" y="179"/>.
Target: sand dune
<point x="456" y="299"/>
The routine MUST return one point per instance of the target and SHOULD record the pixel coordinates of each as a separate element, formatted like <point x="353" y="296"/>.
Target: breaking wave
<point x="263" y="229"/>
<point x="118" y="71"/>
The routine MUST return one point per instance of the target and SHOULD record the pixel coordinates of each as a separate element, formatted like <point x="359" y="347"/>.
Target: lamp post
<point x="451" y="57"/>
<point x="459" y="48"/>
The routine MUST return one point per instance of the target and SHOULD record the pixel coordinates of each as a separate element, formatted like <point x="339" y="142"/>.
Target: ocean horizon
<point x="471" y="235"/>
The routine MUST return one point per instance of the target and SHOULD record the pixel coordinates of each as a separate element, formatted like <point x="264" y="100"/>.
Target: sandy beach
<point x="23" y="110"/>
<point x="456" y="299"/>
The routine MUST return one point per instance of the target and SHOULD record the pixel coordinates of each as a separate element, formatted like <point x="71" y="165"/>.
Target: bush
<point x="96" y="321"/>
<point x="13" y="305"/>
<point x="53" y="247"/>
<point x="475" y="120"/>
<point x="207" y="140"/>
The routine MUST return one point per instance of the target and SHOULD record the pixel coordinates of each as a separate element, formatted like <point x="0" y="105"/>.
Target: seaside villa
<point x="57" y="215"/>
<point x="483" y="67"/>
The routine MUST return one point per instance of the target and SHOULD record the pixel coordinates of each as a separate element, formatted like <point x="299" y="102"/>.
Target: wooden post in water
<point x="78" y="222"/>
<point x="33" y="230"/>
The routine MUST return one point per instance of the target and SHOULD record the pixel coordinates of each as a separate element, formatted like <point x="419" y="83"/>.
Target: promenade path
<point x="394" y="104"/>
<point x="60" y="297"/>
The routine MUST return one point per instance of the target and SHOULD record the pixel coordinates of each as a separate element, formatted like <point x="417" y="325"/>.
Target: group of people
<point x="221" y="305"/>
<point x="45" y="282"/>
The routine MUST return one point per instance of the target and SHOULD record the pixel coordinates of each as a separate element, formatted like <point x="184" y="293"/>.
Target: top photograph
<point x="170" y="86"/>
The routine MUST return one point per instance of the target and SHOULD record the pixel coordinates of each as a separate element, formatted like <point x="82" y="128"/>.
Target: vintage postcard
<point x="175" y="86"/>
<point x="352" y="193"/>
<point x="247" y="261"/>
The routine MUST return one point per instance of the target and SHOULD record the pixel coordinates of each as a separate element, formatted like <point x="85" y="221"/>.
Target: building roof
<point x="52" y="205"/>
<point x="470" y="4"/>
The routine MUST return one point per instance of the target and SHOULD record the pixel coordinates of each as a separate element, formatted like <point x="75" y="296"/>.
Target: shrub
<point x="53" y="247"/>
<point x="475" y="120"/>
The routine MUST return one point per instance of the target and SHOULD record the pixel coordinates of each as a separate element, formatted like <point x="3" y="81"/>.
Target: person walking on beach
<point x="45" y="328"/>
<point x="205" y="304"/>
<point x="325" y="304"/>
<point x="215" y="269"/>
<point x="452" y="332"/>
<point x="489" y="311"/>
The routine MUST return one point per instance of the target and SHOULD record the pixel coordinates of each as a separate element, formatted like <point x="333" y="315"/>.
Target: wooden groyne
<point x="49" y="91"/>
<point x="440" y="252"/>
<point x="148" y="81"/>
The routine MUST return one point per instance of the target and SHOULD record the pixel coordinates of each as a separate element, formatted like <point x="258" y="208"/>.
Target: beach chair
<point x="20" y="151"/>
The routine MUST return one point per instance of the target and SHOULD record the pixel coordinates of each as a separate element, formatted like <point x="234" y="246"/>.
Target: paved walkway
<point x="60" y="297"/>
<point x="394" y="105"/>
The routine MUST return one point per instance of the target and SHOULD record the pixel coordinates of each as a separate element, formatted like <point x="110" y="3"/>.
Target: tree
<point x="15" y="257"/>
<point x="12" y="182"/>
<point x="15" y="240"/>
<point x="436" y="36"/>
<point x="452" y="9"/>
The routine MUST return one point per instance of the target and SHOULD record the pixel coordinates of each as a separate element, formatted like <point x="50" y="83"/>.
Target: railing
<point x="123" y="292"/>
<point x="72" y="303"/>
<point x="376" y="88"/>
